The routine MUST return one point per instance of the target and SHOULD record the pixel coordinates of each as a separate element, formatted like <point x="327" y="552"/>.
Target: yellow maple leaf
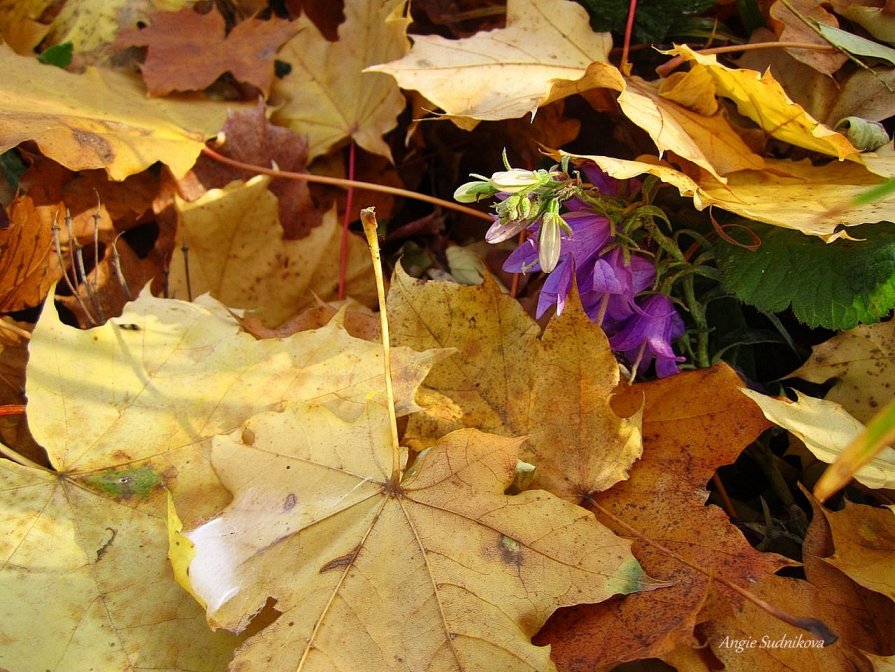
<point x="237" y="252"/>
<point x="125" y="411"/>
<point x="546" y="51"/>
<point x="760" y="97"/>
<point x="100" y="119"/>
<point x="861" y="360"/>
<point x="328" y="96"/>
<point x="375" y="570"/>
<point x="791" y="194"/>
<point x="508" y="379"/>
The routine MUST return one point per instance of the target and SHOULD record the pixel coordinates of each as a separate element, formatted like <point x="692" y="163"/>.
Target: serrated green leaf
<point x="837" y="285"/>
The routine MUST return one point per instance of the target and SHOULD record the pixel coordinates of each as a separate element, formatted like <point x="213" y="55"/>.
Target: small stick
<point x="368" y="219"/>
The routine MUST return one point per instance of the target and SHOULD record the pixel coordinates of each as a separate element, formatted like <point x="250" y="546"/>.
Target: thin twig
<point x="340" y="182"/>
<point x="667" y="68"/>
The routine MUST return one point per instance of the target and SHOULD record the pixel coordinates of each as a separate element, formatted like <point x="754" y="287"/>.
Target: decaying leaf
<point x="791" y="28"/>
<point x="188" y="51"/>
<point x="100" y="119"/>
<point x="438" y="570"/>
<point x="251" y="138"/>
<point x="327" y="96"/>
<point x="238" y="252"/>
<point x="861" y="361"/>
<point x="694" y="422"/>
<point x="500" y="74"/>
<point x="826" y="428"/>
<point x="506" y="380"/>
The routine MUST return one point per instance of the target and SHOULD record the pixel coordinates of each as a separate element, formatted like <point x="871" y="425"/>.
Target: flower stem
<point x="697" y="310"/>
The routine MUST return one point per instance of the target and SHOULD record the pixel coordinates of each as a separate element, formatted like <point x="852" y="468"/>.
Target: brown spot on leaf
<point x="290" y="501"/>
<point x="342" y="561"/>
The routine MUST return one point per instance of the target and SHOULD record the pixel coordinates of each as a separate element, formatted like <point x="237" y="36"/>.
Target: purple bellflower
<point x="647" y="335"/>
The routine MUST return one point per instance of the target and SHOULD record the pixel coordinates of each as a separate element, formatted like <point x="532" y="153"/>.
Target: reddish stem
<point x="12" y="409"/>
<point x="629" y="28"/>
<point x="346" y="219"/>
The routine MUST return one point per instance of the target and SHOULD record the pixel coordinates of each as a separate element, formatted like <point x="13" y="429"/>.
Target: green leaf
<point x="652" y="22"/>
<point x="837" y="285"/>
<point x="58" y="55"/>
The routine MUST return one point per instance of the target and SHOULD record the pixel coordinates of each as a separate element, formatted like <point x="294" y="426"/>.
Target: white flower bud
<point x="549" y="242"/>
<point x="472" y="192"/>
<point x="515" y="180"/>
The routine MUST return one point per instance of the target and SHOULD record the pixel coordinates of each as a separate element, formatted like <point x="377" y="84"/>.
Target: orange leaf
<point x="693" y="423"/>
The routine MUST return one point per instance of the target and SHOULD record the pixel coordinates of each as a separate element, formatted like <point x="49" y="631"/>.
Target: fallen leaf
<point x="100" y="119"/>
<point x="826" y="429"/>
<point x="497" y="74"/>
<point x="760" y="97"/>
<point x="708" y="141"/>
<point x="508" y="379"/>
<point x="91" y="567"/>
<point x="28" y="257"/>
<point x="328" y="96"/>
<point x="751" y="639"/>
<point x="859" y="616"/>
<point x="188" y="51"/>
<point x="792" y="194"/>
<point x="861" y="361"/>
<point x="436" y="570"/>
<point x="14" y="338"/>
<point x="124" y="409"/>
<point x="694" y="422"/>
<point x="864" y="542"/>
<point x="251" y="138"/>
<point x="237" y="251"/>
<point x="791" y="28"/>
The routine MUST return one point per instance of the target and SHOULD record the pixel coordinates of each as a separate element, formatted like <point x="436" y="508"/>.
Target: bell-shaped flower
<point x="608" y="295"/>
<point x="515" y="180"/>
<point x="647" y="335"/>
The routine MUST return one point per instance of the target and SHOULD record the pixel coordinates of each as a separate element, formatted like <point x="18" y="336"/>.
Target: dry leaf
<point x="761" y="98"/>
<point x="708" y="141"/>
<point x="188" y="51"/>
<point x="251" y="138"/>
<point x="499" y="74"/>
<point x="791" y="194"/>
<point x="436" y="570"/>
<point x="694" y="422"/>
<point x="791" y="28"/>
<point x="237" y="251"/>
<point x="555" y="389"/>
<point x="864" y="542"/>
<point x="328" y="96"/>
<point x="100" y="119"/>
<point x="826" y="428"/>
<point x="861" y="360"/>
<point x="122" y="410"/>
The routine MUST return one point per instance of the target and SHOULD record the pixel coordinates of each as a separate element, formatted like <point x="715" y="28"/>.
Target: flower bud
<point x="472" y="192"/>
<point x="515" y="180"/>
<point x="549" y="242"/>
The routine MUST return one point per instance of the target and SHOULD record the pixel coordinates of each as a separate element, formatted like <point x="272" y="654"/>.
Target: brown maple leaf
<point x="189" y="51"/>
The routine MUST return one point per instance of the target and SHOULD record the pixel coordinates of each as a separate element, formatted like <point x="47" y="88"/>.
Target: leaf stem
<point x="8" y="452"/>
<point x="368" y="219"/>
<point x="343" y="245"/>
<point x="345" y="184"/>
<point x="697" y="310"/>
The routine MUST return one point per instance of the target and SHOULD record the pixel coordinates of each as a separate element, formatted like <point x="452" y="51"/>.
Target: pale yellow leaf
<point x="85" y="582"/>
<point x="237" y="252"/>
<point x="862" y="362"/>
<point x="328" y="96"/>
<point x="100" y="119"/>
<point x="440" y="572"/>
<point x="826" y="429"/>
<point x="790" y="194"/>
<point x="546" y="51"/>
<point x="126" y="411"/>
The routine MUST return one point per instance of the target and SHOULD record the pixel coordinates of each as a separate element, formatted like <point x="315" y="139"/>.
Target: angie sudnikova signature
<point x="766" y="642"/>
